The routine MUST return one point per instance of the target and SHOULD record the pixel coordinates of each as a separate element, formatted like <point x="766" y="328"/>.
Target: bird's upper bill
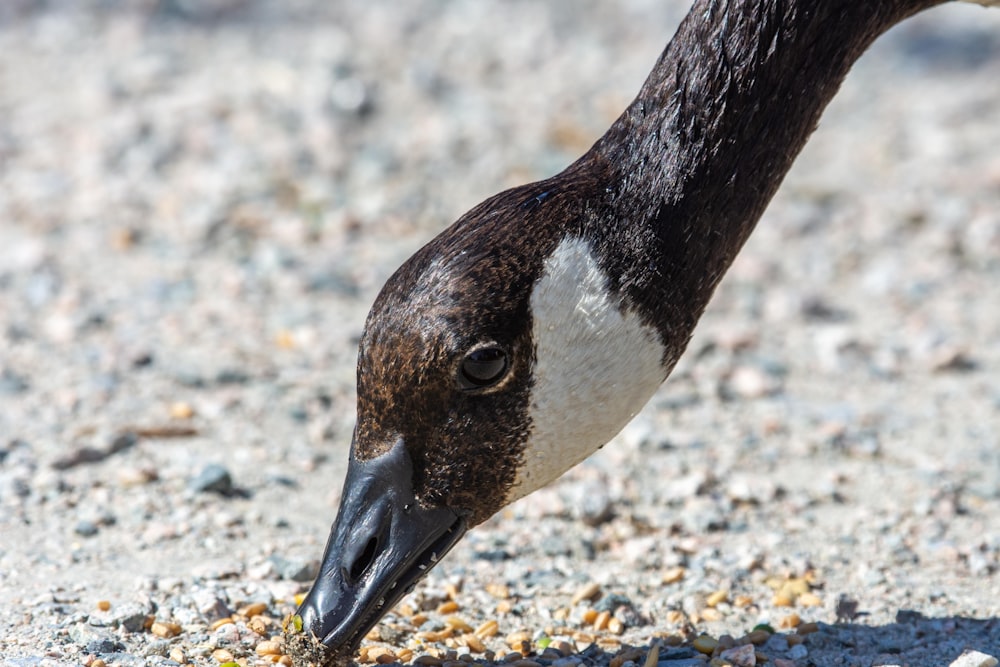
<point x="382" y="543"/>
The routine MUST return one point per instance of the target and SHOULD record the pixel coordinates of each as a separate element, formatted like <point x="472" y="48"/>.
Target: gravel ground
<point x="199" y="200"/>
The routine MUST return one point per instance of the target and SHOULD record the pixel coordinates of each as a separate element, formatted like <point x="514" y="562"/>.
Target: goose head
<point x="492" y="361"/>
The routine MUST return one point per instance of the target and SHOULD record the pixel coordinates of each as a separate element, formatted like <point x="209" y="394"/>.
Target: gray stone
<point x="294" y="569"/>
<point x="86" y="528"/>
<point x="103" y="646"/>
<point x="798" y="652"/>
<point x="213" y="478"/>
<point x="132" y="615"/>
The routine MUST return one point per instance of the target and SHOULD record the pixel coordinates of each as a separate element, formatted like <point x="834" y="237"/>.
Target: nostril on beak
<point x="362" y="562"/>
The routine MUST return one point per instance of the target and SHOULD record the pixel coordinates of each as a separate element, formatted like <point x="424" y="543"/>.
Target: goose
<point x="527" y="334"/>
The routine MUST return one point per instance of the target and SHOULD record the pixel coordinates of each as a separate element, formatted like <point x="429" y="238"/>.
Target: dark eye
<point x="482" y="368"/>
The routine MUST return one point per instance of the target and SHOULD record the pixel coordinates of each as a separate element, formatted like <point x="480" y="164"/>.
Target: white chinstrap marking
<point x="595" y="366"/>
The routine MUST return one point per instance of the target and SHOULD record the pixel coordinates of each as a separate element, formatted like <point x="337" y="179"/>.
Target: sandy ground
<point x="198" y="202"/>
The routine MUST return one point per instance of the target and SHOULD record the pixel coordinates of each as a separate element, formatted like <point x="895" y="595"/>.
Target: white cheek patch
<point x="595" y="366"/>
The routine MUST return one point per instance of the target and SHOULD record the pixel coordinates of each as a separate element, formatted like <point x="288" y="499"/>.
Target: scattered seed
<point x="284" y="339"/>
<point x="177" y="655"/>
<point x="269" y="648"/>
<point x="615" y="626"/>
<point x="405" y="655"/>
<point x="589" y="616"/>
<point x="452" y="591"/>
<point x="675" y="617"/>
<point x="504" y="607"/>
<point x="717" y="597"/>
<point x="418" y="619"/>
<point x="250" y="610"/>
<point x="165" y="629"/>
<point x="98" y="663"/>
<point x="789" y="621"/>
<point x="449" y="607"/>
<point x="458" y="624"/>
<point x="258" y="625"/>
<point x="181" y="410"/>
<point x="673" y="575"/>
<point x="742" y="601"/>
<point x="499" y="591"/>
<point x="434" y="636"/>
<point x="711" y="614"/>
<point x="516" y="640"/>
<point x="488" y="629"/>
<point x="222" y="655"/>
<point x="215" y="625"/>
<point x="589" y="591"/>
<point x="473" y="642"/>
<point x="793" y="587"/>
<point x="810" y="600"/>
<point x="103" y="605"/>
<point x="782" y="600"/>
<point x="601" y="622"/>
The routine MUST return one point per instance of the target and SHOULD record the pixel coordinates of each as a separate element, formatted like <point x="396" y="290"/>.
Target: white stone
<point x="974" y="659"/>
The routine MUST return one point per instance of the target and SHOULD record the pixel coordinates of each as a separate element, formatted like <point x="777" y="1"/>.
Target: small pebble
<point x="798" y="652"/>
<point x="86" y="528"/>
<point x="972" y="658"/>
<point x="213" y="478"/>
<point x="740" y="656"/>
<point x="705" y="644"/>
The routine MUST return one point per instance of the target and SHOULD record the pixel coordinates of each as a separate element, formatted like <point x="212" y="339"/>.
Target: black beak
<point x="381" y="544"/>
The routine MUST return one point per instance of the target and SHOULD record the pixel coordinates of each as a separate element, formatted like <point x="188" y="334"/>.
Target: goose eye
<point x="482" y="368"/>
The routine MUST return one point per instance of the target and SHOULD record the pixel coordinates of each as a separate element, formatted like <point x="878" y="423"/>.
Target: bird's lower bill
<point x="381" y="544"/>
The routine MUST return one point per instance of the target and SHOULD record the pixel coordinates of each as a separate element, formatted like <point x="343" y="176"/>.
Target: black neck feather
<point x="689" y="167"/>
